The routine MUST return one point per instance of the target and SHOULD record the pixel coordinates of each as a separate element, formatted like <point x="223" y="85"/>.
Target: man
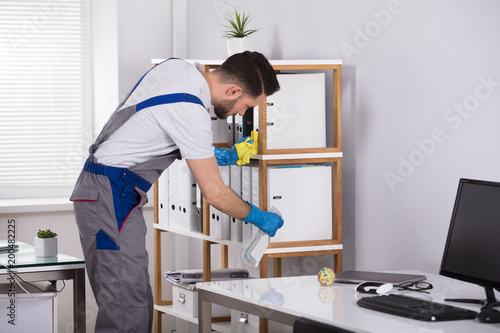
<point x="164" y="118"/>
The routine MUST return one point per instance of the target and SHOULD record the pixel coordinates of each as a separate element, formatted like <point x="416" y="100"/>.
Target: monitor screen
<point x="473" y="245"/>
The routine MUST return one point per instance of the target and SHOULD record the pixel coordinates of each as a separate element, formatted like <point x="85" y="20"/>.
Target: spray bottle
<point x="252" y="254"/>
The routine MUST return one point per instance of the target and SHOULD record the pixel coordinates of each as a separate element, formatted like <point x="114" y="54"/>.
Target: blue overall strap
<point x="167" y="99"/>
<point x="120" y="117"/>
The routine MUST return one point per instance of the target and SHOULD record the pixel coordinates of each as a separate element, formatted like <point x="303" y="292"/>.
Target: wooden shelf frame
<point x="337" y="112"/>
<point x="337" y="198"/>
<point x="336" y="68"/>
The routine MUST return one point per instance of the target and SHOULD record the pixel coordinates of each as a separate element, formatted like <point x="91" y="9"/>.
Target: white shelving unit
<point x="222" y="327"/>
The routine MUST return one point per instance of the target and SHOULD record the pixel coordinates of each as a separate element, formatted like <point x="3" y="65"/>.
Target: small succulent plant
<point x="238" y="26"/>
<point x="46" y="234"/>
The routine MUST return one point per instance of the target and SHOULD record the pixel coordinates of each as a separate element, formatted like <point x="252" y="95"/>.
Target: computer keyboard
<point x="415" y="308"/>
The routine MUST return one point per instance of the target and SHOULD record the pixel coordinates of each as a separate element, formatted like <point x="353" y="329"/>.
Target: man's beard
<point x="224" y="107"/>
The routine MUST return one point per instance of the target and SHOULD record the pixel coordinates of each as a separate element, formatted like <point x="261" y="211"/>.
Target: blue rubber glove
<point x="265" y="221"/>
<point x="226" y="156"/>
<point x="240" y="153"/>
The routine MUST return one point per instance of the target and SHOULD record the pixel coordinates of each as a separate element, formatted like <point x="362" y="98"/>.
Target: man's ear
<point x="233" y="92"/>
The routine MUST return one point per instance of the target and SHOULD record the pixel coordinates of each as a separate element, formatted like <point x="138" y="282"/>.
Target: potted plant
<point x="238" y="39"/>
<point x="46" y="243"/>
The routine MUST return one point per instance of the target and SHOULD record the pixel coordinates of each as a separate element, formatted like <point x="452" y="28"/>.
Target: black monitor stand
<point x="489" y="303"/>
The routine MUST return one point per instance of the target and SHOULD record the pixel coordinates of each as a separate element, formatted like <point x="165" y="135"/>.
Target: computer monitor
<point x="472" y="248"/>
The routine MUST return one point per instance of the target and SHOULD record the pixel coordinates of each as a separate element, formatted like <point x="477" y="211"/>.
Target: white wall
<point x="145" y="32"/>
<point x="126" y="35"/>
<point x="409" y="66"/>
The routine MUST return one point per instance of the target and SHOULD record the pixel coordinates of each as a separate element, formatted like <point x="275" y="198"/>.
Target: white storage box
<point x="296" y="113"/>
<point x="303" y="195"/>
<point x="35" y="313"/>
<point x="185" y="301"/>
<point x="243" y="322"/>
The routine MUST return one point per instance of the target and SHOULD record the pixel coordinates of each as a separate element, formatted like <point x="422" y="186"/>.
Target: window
<point x="45" y="96"/>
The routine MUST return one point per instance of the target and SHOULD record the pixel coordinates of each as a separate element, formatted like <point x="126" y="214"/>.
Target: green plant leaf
<point x="46" y="234"/>
<point x="237" y="26"/>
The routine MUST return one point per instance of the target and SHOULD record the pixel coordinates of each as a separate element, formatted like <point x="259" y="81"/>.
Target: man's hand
<point x="247" y="147"/>
<point x="225" y="156"/>
<point x="240" y="153"/>
<point x="265" y="221"/>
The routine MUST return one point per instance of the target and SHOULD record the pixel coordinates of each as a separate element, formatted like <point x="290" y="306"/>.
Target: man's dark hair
<point x="252" y="72"/>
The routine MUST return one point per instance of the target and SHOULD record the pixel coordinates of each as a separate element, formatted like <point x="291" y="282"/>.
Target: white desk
<point x="31" y="268"/>
<point x="285" y="299"/>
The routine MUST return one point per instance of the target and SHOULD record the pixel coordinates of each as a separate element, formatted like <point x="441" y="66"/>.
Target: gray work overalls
<point x="108" y="205"/>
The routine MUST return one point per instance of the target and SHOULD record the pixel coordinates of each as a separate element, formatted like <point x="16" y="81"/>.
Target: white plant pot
<point x="45" y="247"/>
<point x="238" y="45"/>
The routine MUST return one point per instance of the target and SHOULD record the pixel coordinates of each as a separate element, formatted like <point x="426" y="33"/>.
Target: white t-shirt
<point x="161" y="129"/>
